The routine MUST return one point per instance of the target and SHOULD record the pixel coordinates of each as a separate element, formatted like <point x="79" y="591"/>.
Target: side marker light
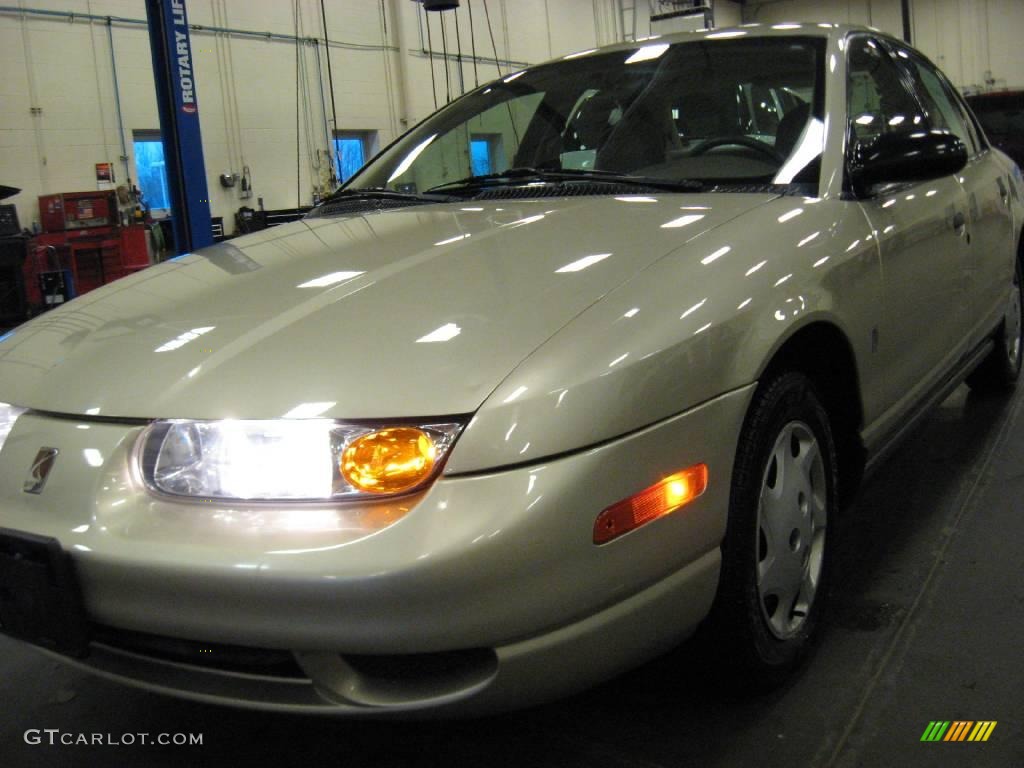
<point x="658" y="500"/>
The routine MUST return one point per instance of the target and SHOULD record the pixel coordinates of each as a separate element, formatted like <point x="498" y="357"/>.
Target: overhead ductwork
<point x="440" y="5"/>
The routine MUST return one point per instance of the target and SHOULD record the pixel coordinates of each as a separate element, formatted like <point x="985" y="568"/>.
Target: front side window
<point x="710" y="111"/>
<point x="878" y="102"/>
<point x="943" y="112"/>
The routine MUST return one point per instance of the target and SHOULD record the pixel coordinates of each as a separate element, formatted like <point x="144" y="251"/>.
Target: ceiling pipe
<point x="117" y="104"/>
<point x="405" y="117"/>
<point x="74" y="16"/>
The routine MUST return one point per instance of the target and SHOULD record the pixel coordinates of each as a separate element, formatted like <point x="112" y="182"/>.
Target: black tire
<point x="1000" y="370"/>
<point x="763" y="645"/>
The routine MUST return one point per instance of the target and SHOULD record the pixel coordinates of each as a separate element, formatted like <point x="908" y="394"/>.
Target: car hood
<point x="420" y="311"/>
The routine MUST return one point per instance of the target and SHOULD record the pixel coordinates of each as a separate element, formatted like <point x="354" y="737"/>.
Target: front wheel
<point x="776" y="551"/>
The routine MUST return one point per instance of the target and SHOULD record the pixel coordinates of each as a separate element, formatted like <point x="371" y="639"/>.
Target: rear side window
<point x="1000" y="114"/>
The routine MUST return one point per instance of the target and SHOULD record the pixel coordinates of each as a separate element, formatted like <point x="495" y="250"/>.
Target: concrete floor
<point x="927" y="624"/>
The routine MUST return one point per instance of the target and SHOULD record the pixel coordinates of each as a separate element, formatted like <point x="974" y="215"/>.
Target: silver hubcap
<point x="791" y="519"/>
<point x="1013" y="325"/>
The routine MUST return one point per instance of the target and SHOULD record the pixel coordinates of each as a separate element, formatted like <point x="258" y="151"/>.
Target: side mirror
<point x="905" y="157"/>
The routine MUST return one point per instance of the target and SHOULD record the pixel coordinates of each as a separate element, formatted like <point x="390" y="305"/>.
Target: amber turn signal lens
<point x="651" y="503"/>
<point x="389" y="460"/>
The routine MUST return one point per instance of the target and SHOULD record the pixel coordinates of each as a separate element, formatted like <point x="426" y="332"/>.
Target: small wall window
<point x="151" y="170"/>
<point x="351" y="151"/>
<point x="485" y="153"/>
<point x="480" y="154"/>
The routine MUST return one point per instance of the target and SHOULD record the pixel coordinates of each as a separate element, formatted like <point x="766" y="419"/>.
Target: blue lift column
<point x="179" y="123"/>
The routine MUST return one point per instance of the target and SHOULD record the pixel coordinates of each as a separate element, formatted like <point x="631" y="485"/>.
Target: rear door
<point x="988" y="185"/>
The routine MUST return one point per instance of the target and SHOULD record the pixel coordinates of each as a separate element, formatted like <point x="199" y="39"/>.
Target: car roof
<point x="753" y="30"/>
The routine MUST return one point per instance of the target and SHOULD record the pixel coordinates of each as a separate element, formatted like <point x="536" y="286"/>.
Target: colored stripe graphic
<point x="982" y="730"/>
<point x="935" y="730"/>
<point x="958" y="730"/>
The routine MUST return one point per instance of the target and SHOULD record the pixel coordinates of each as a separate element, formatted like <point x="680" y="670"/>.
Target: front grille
<point x="795" y="189"/>
<point x="440" y="665"/>
<point x="230" y="658"/>
<point x="566" y="189"/>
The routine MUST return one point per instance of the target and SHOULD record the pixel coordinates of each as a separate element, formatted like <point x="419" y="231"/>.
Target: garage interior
<point x="291" y="99"/>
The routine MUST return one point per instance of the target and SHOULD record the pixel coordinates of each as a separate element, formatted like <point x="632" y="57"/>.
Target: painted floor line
<point x="947" y="538"/>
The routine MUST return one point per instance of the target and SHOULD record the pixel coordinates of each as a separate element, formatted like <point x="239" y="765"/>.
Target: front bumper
<point x="497" y="567"/>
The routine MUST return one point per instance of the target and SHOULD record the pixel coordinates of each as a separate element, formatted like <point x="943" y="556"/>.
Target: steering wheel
<point x="739" y="141"/>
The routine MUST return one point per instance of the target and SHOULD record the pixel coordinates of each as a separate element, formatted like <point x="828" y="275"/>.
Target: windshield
<point x="738" y="110"/>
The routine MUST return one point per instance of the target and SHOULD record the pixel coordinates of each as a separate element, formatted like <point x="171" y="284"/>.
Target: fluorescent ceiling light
<point x="183" y="339"/>
<point x="446" y="332"/>
<point x="683" y="221"/>
<point x="647" y="53"/>
<point x="332" y="278"/>
<point x="309" y="410"/>
<point x="586" y="261"/>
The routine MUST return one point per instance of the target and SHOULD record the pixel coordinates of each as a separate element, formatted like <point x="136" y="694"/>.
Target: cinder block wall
<point x="63" y="68"/>
<point x="970" y="40"/>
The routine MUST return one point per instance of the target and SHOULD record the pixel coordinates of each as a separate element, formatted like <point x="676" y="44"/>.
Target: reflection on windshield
<point x="410" y="158"/>
<point x="713" y="111"/>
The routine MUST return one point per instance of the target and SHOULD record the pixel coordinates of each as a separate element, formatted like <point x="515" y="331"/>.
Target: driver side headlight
<point x="292" y="459"/>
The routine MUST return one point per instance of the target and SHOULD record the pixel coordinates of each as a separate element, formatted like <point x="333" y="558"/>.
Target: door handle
<point x="1004" y="192"/>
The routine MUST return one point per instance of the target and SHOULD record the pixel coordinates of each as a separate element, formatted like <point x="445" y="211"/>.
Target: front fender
<point x="700" y="322"/>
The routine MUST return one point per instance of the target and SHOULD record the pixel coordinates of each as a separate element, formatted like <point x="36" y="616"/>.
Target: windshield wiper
<point x="380" y="193"/>
<point x="528" y="174"/>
